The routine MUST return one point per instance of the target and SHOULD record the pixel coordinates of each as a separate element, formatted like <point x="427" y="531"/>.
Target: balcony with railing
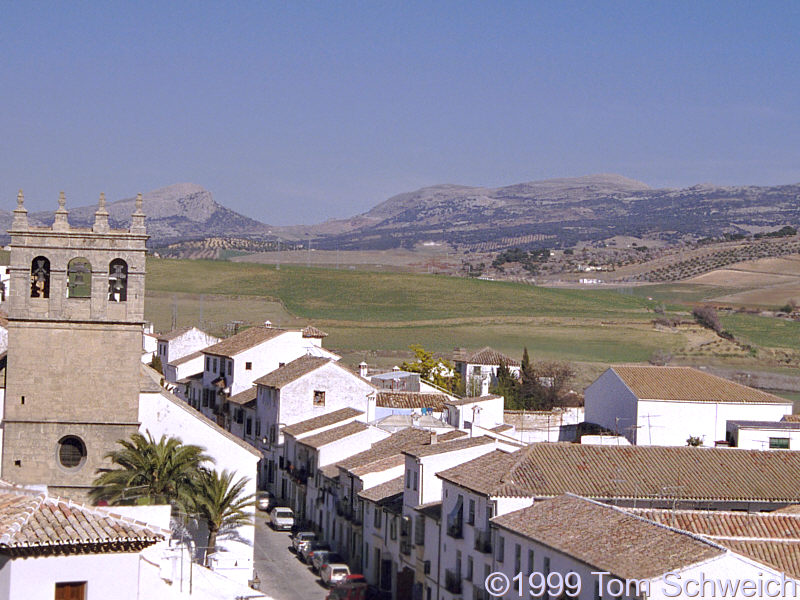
<point x="452" y="581"/>
<point x="455" y="526"/>
<point x="483" y="541"/>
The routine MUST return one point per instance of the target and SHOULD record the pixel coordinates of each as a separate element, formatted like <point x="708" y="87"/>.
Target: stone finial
<point x="101" y="215"/>
<point x="137" y="218"/>
<point x="61" y="223"/>
<point x="20" y="213"/>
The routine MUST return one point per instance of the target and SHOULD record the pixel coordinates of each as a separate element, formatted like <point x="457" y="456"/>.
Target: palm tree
<point x="150" y="472"/>
<point x="221" y="503"/>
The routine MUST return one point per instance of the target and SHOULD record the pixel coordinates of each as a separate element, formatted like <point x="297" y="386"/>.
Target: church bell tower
<point x="75" y="315"/>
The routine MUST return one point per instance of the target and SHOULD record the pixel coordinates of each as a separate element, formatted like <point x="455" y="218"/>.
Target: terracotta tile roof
<point x="392" y="399"/>
<point x="770" y="538"/>
<point x="787" y="425"/>
<point x="184" y="359"/>
<point x="330" y="471"/>
<point x="452" y="435"/>
<point x="791" y="418"/>
<point x="502" y="428"/>
<point x="313" y="332"/>
<point x="700" y="474"/>
<point x="378" y="465"/>
<point x="333" y="435"/>
<point x="149" y="380"/>
<point x="442" y="447"/>
<point x="607" y="538"/>
<point x="393" y="445"/>
<point x="321" y="421"/>
<point x="245" y="397"/>
<point x="168" y="336"/>
<point x="688" y="384"/>
<point x="292" y="371"/>
<point x="726" y="524"/>
<point x="489" y="356"/>
<point x="784" y="556"/>
<point x="31" y="521"/>
<point x="482" y="474"/>
<point x="383" y="491"/>
<point x="432" y="510"/>
<point x="245" y="340"/>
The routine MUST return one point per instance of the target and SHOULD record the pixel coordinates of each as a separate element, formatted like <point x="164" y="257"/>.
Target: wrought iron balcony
<point x="452" y="581"/>
<point x="483" y="541"/>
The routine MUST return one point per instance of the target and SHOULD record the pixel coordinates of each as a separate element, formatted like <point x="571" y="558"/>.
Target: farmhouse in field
<point x="478" y="370"/>
<point x="665" y="406"/>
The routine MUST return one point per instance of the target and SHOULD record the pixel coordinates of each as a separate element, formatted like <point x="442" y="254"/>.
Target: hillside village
<point x="662" y="477"/>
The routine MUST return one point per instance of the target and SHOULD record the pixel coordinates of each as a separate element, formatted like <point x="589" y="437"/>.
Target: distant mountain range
<point x="552" y="213"/>
<point x="174" y="213"/>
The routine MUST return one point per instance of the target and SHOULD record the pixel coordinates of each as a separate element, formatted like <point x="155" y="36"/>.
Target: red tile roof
<point x="31" y="521"/>
<point x="688" y="384"/>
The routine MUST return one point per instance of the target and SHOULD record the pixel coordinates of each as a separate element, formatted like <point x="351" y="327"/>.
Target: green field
<point x="367" y="311"/>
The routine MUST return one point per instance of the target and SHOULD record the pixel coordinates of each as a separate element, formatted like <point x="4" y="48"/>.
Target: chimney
<point x="434" y="437"/>
<point x="267" y="323"/>
<point x="362" y="369"/>
<point x="395" y="368"/>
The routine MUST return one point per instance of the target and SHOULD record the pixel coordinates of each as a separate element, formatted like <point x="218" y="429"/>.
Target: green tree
<point x="508" y="387"/>
<point x="150" y="472"/>
<point x="438" y="371"/>
<point x="220" y="502"/>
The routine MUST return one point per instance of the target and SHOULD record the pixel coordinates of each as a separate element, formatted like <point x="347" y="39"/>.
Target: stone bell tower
<point x="75" y="316"/>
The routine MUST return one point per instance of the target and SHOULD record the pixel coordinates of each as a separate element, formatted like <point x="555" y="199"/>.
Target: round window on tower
<point x="71" y="452"/>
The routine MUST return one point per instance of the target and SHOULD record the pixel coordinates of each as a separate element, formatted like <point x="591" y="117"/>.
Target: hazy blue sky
<point x="297" y="112"/>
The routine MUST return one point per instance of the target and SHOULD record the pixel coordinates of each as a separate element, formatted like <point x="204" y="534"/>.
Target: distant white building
<point x="478" y="370"/>
<point x="178" y="343"/>
<point x="664" y="406"/>
<point x="482" y="411"/>
<point x="764" y="435"/>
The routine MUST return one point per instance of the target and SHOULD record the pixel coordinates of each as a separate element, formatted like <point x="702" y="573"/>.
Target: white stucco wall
<point x="611" y="404"/>
<point x="758" y="438"/>
<point x="163" y="414"/>
<point x="670" y="423"/>
<point x="110" y="575"/>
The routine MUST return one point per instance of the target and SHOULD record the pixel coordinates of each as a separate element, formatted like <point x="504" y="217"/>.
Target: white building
<point x="232" y="365"/>
<point x="665" y="406"/>
<point x="611" y="553"/>
<point x="307" y="387"/>
<point x="478" y="369"/>
<point x="481" y="411"/>
<point x="764" y="435"/>
<point x="161" y="413"/>
<point x="178" y="343"/>
<point x="54" y="548"/>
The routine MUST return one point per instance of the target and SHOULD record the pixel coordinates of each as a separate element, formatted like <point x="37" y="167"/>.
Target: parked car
<point x="264" y="501"/>
<point x="301" y="539"/>
<point x="348" y="591"/>
<point x="281" y="518"/>
<point x="333" y="573"/>
<point x="323" y="557"/>
<point x="308" y="551"/>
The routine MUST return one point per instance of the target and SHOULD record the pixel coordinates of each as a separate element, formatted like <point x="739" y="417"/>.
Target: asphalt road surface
<point x="283" y="576"/>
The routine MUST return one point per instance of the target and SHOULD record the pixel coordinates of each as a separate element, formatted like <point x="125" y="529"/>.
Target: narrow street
<point x="283" y="576"/>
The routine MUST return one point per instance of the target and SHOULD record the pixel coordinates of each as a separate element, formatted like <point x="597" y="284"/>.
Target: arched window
<point x="79" y="278"/>
<point x="40" y="277"/>
<point x="118" y="280"/>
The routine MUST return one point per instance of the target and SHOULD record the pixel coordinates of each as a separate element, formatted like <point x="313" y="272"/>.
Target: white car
<point x="264" y="501"/>
<point x="333" y="573"/>
<point x="303" y="539"/>
<point x="281" y="518"/>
